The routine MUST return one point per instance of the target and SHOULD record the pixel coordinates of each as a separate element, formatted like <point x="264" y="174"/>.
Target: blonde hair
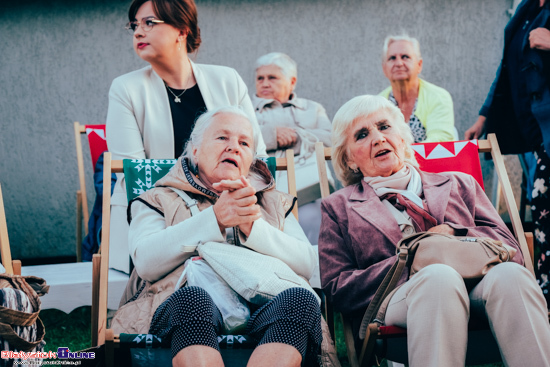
<point x="347" y="115"/>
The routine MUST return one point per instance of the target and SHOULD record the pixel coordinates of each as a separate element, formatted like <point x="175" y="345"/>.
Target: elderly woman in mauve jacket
<point x="387" y="197"/>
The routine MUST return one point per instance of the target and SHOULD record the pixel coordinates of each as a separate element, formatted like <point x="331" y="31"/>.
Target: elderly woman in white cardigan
<point x="288" y="121"/>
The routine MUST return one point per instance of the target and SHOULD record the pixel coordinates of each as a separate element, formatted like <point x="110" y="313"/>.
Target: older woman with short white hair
<point x="387" y="197"/>
<point x="237" y="205"/>
<point x="427" y="107"/>
<point x="288" y="121"/>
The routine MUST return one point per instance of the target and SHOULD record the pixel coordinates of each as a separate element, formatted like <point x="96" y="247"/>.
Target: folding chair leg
<point x="329" y="316"/>
<point x="109" y="348"/>
<point x="96" y="264"/>
<point x="367" y="351"/>
<point x="350" y="342"/>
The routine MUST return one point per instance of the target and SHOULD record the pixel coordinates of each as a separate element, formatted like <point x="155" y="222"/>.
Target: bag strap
<point x="18" y="318"/>
<point x="191" y="204"/>
<point x="388" y="283"/>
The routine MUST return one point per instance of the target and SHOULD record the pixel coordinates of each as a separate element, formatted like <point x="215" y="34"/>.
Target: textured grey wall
<point x="59" y="57"/>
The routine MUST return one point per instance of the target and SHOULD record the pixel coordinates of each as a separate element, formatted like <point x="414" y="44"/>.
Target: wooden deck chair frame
<point x="82" y="213"/>
<point x="525" y="241"/>
<point x="11" y="266"/>
<point x="100" y="333"/>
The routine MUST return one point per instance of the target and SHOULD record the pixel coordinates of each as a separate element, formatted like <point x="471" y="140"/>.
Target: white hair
<point x="288" y="67"/>
<point x="347" y="115"/>
<point x="204" y="121"/>
<point x="402" y="37"/>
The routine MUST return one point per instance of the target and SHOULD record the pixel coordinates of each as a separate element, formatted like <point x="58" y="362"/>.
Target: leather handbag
<point x="258" y="278"/>
<point x="471" y="257"/>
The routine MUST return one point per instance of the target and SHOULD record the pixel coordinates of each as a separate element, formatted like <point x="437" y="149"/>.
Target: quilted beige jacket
<point x="142" y="298"/>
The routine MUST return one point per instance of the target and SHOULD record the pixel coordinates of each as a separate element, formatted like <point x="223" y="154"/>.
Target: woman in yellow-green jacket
<point x="429" y="108"/>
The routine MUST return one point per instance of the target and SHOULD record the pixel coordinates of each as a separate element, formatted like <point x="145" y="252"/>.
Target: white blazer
<point x="139" y="125"/>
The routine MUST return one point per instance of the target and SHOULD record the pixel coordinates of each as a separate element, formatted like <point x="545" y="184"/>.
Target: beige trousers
<point x="435" y="306"/>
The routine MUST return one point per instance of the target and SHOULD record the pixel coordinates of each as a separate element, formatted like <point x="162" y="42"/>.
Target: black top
<point x="516" y="65"/>
<point x="184" y="114"/>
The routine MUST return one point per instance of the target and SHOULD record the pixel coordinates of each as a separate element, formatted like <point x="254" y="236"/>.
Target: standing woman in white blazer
<point x="152" y="110"/>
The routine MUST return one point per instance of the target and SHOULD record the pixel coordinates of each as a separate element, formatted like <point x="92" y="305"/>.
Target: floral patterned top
<point x="418" y="130"/>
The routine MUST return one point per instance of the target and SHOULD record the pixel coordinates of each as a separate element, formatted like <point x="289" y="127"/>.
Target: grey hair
<point x="353" y="110"/>
<point x="204" y="121"/>
<point x="288" y="66"/>
<point x="402" y="37"/>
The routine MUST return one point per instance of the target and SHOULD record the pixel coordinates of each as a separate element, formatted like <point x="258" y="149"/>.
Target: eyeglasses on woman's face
<point x="146" y="24"/>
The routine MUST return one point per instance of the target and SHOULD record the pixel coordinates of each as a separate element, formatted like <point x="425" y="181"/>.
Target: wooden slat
<point x="531" y="245"/>
<point x="321" y="155"/>
<point x="96" y="270"/>
<point x="116" y="166"/>
<point x="16" y="267"/>
<point x="291" y="174"/>
<point x="104" y="266"/>
<point x="79" y="129"/>
<point x="484" y="146"/>
<point x="78" y="226"/>
<point x="280" y="164"/>
<point x="5" y="251"/>
<point x="510" y="200"/>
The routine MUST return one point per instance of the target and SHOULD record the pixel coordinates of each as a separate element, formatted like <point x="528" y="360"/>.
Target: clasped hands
<point x="236" y="205"/>
<point x="286" y="137"/>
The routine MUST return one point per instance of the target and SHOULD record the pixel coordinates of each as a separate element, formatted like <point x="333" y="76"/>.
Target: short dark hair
<point x="181" y="14"/>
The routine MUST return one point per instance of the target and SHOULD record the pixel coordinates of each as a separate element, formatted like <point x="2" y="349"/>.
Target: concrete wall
<point x="59" y="57"/>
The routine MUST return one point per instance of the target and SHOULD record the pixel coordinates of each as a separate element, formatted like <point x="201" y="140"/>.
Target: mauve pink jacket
<point x="358" y="234"/>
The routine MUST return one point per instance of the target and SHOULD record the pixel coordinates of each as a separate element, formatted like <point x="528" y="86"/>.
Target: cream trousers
<point x="435" y="306"/>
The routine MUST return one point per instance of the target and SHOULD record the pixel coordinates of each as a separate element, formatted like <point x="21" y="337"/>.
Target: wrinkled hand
<point x="476" y="130"/>
<point x="286" y="137"/>
<point x="236" y="205"/>
<point x="539" y="38"/>
<point x="443" y="229"/>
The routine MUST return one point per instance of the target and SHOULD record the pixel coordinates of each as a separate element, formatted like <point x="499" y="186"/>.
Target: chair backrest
<point x="146" y="180"/>
<point x="98" y="144"/>
<point x="458" y="156"/>
<point x="483" y="146"/>
<point x="11" y="266"/>
<point x="141" y="174"/>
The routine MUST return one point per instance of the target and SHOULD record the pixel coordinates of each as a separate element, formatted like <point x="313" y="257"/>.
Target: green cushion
<point x="141" y="174"/>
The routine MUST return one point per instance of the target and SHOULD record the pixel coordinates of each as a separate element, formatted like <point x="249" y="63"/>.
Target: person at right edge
<point x="517" y="109"/>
